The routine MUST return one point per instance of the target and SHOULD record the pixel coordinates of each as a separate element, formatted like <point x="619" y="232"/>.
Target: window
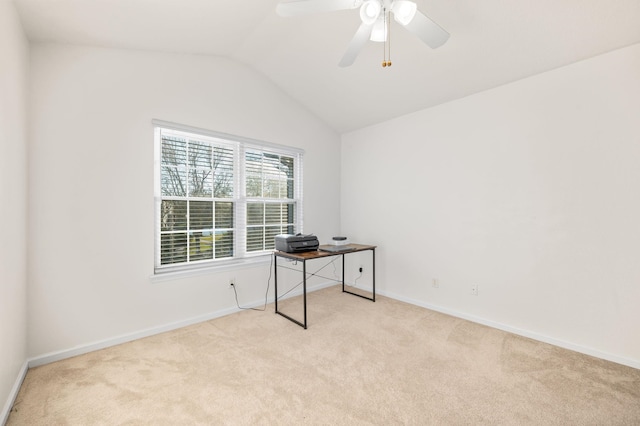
<point x="220" y="198"/>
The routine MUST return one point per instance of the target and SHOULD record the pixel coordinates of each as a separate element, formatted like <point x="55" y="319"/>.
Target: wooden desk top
<point x="316" y="254"/>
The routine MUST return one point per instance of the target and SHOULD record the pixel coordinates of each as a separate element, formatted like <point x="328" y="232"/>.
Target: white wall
<point x="13" y="189"/>
<point x="530" y="190"/>
<point x="91" y="171"/>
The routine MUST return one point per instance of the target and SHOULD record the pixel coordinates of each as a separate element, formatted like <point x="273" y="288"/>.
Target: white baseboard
<point x="4" y="414"/>
<point x="102" y="344"/>
<point x="525" y="333"/>
<point x="113" y="341"/>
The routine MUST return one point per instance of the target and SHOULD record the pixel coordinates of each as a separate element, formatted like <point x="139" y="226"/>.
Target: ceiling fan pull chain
<point x="388" y="17"/>
<point x="386" y="46"/>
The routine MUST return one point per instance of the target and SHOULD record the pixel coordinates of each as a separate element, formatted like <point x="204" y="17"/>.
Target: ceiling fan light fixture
<point x="379" y="31"/>
<point x="404" y="11"/>
<point x="369" y="11"/>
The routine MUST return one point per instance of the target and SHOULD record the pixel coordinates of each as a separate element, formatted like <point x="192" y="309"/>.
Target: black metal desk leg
<point x="373" y="254"/>
<point x="373" y="297"/>
<point x="304" y="291"/>
<point x="343" y="272"/>
<point x="275" y="279"/>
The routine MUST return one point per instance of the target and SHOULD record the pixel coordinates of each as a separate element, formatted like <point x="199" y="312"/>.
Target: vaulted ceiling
<point x="493" y="42"/>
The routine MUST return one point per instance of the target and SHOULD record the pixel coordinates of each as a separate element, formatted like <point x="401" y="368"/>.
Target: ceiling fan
<point x="374" y="15"/>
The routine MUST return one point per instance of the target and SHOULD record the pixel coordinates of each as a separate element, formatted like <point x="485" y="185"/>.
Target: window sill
<point x="251" y="262"/>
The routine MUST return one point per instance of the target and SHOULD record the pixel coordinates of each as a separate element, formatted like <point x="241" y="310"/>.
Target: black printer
<point x="296" y="243"/>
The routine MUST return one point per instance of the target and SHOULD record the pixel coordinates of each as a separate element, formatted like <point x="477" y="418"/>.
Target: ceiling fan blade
<point x="306" y="7"/>
<point x="356" y="44"/>
<point x="427" y="30"/>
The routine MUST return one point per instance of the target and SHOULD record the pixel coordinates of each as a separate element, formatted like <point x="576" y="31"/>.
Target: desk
<point x="311" y="255"/>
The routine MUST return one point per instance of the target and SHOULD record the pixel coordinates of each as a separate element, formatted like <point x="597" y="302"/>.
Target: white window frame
<point x="240" y="199"/>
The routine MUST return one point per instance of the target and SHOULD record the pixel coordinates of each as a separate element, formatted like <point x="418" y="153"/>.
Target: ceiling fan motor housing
<point x="403" y="10"/>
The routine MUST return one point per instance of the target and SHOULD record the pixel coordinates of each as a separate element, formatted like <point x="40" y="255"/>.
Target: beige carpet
<point x="359" y="362"/>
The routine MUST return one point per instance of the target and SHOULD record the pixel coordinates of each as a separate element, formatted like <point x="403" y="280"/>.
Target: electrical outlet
<point x="360" y="269"/>
<point x="435" y="283"/>
<point x="474" y="289"/>
<point x="232" y="282"/>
